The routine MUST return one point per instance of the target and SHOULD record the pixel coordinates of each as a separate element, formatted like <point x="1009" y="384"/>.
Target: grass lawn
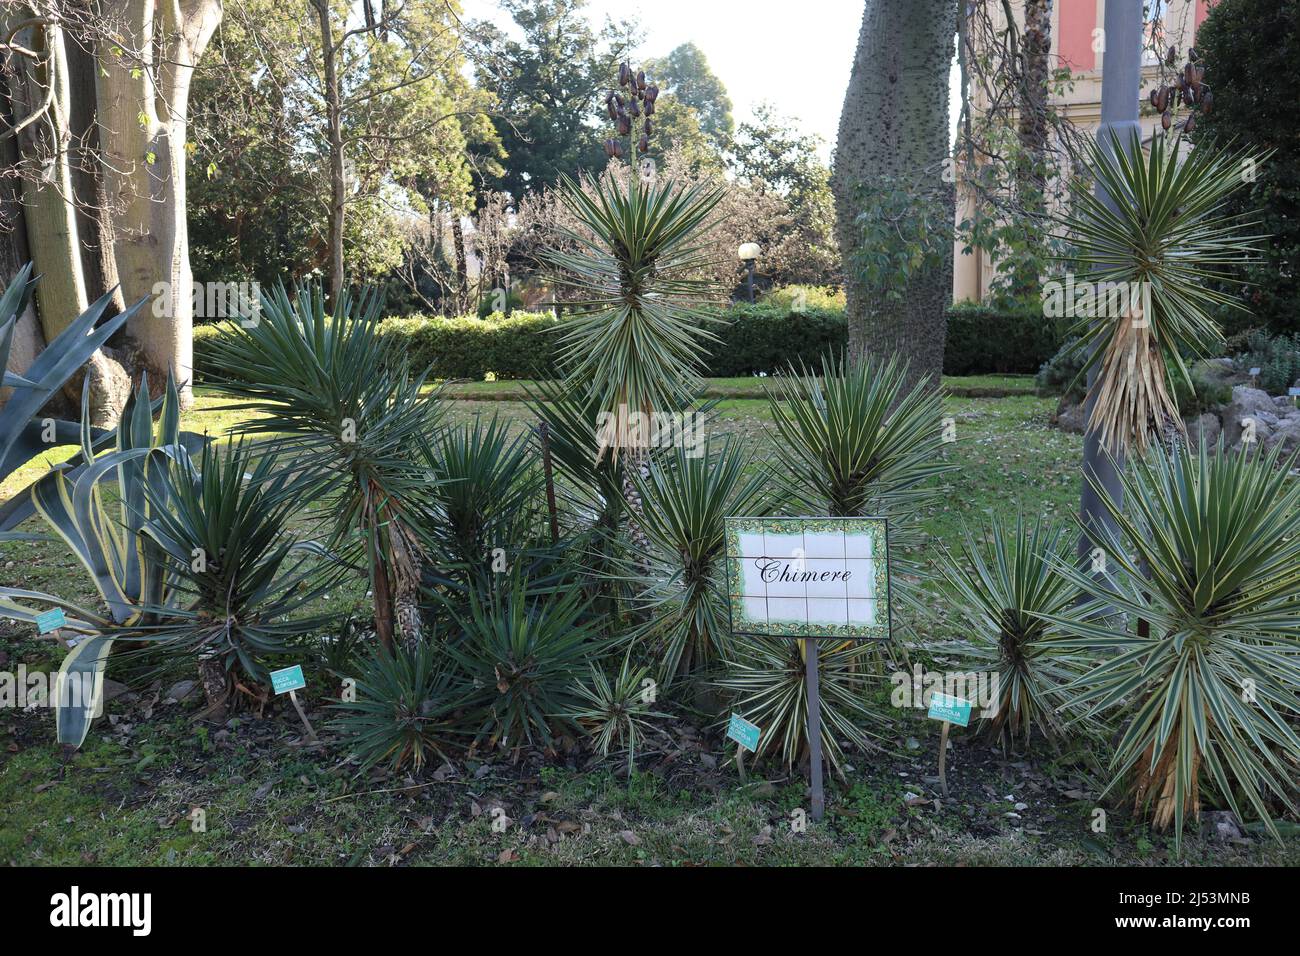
<point x="267" y="797"/>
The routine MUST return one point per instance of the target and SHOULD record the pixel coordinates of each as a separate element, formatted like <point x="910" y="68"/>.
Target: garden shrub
<point x="802" y="297"/>
<point x="1060" y="374"/>
<point x="1276" y="357"/>
<point x="985" y="338"/>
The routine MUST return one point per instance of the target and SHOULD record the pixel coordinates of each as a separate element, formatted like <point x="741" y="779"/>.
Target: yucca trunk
<point x="1132" y="401"/>
<point x="1162" y="782"/>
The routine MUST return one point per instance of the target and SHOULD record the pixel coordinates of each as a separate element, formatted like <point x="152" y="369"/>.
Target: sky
<point x="794" y="55"/>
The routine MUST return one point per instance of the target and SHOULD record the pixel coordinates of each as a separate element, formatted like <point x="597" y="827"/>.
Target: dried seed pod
<point x="1153" y="97"/>
<point x="634" y="108"/>
<point x="643" y="144"/>
<point x="1190" y="124"/>
<point x="618" y="100"/>
<point x="1162" y="99"/>
<point x="1166" y="119"/>
<point x="610" y="108"/>
<point x="648" y="126"/>
<point x="640" y="79"/>
<point x="1172" y="56"/>
<point x="1207" y="102"/>
<point x="652" y="93"/>
<point x="624" y="74"/>
<point x="624" y="124"/>
<point x="1198" y="75"/>
<point x="649" y="107"/>
<point x="618" y="149"/>
<point x="1192" y="54"/>
<point x="1189" y="74"/>
<point x="609" y="148"/>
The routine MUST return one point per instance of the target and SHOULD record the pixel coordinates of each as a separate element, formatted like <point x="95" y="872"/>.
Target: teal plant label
<point x="809" y="577"/>
<point x="743" y="732"/>
<point x="51" y="620"/>
<point x="287" y="679"/>
<point x="1254" y="371"/>
<point x="955" y="710"/>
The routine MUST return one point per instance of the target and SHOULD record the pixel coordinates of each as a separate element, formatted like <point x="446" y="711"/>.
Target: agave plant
<point x="520" y="645"/>
<point x="616" y="710"/>
<point x="767" y="676"/>
<point x="22" y="435"/>
<point x="346" y="417"/>
<point x="685" y="499"/>
<point x="854" y="443"/>
<point x="1007" y="587"/>
<point x="1170" y="249"/>
<point x="108" y="542"/>
<point x="236" y="579"/>
<point x="1208" y="557"/>
<point x="404" y="708"/>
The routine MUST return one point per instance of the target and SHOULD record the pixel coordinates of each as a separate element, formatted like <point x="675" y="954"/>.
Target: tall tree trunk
<point x="143" y="93"/>
<point x="1031" y="132"/>
<point x="338" y="172"/>
<point x="462" y="265"/>
<point x="894" y="126"/>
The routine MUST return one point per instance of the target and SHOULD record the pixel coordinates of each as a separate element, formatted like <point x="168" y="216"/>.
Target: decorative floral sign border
<point x="875" y="528"/>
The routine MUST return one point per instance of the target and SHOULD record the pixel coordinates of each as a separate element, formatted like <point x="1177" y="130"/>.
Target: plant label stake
<point x="746" y="737"/>
<point x="287" y="681"/>
<point x="951" y="710"/>
<point x="809" y="579"/>
<point x="51" y="620"/>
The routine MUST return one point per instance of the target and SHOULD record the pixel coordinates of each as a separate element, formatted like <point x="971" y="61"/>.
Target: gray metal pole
<point x="814" y="730"/>
<point x="1121" y="80"/>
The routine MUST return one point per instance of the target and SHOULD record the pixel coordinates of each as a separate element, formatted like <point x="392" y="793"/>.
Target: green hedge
<point x="982" y="339"/>
<point x="757" y="338"/>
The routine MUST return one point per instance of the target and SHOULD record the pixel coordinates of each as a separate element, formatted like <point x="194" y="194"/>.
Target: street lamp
<point x="748" y="252"/>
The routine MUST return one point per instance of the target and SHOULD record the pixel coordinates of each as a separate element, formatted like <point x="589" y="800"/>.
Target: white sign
<point x="809" y="577"/>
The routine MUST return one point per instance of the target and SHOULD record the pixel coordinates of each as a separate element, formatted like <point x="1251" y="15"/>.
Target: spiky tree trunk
<point x="1031" y="132"/>
<point x="894" y="127"/>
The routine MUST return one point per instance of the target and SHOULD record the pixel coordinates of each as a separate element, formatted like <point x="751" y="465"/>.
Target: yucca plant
<point x="1207" y="554"/>
<point x="1003" y="583"/>
<point x="107" y="539"/>
<point x="485" y="493"/>
<point x="1172" y="248"/>
<point x="22" y="435"/>
<point x="347" y="418"/>
<point x="767" y="677"/>
<point x="236" y="578"/>
<point x="520" y="645"/>
<point x="685" y="499"/>
<point x="616" y="709"/>
<point x="404" y="710"/>
<point x="854" y="442"/>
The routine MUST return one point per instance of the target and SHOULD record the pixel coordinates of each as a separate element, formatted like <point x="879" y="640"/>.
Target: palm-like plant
<point x="616" y="709"/>
<point x="484" y="492"/>
<point x="767" y="675"/>
<point x="1208" y="554"/>
<point x="346" y="417"/>
<point x="236" y="579"/>
<point x="1004" y="585"/>
<point x="854" y="443"/>
<point x="404" y="708"/>
<point x="685" y="500"/>
<point x="1170" y="238"/>
<point x="520" y="646"/>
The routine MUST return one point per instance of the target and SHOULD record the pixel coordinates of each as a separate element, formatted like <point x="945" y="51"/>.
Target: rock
<point x="1222" y="825"/>
<point x="1249" y="405"/>
<point x="113" y="689"/>
<point x="181" y="690"/>
<point x="1287" y="436"/>
<point x="1207" y="425"/>
<point x="1071" y="418"/>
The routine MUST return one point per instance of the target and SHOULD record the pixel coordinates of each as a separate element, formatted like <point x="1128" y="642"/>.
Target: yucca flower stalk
<point x="1169" y="246"/>
<point x="1208" y="553"/>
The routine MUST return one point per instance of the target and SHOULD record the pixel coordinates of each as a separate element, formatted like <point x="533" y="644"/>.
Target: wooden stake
<point x="943" y="757"/>
<point x="293" y="696"/>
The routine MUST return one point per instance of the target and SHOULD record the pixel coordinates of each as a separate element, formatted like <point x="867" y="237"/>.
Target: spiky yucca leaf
<point x="636" y="335"/>
<point x="616" y="709"/>
<point x="854" y="443"/>
<point x="767" y="675"/>
<point x="1171" y="247"/>
<point x="1002" y="583"/>
<point x="1207" y="552"/>
<point x="686" y="494"/>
